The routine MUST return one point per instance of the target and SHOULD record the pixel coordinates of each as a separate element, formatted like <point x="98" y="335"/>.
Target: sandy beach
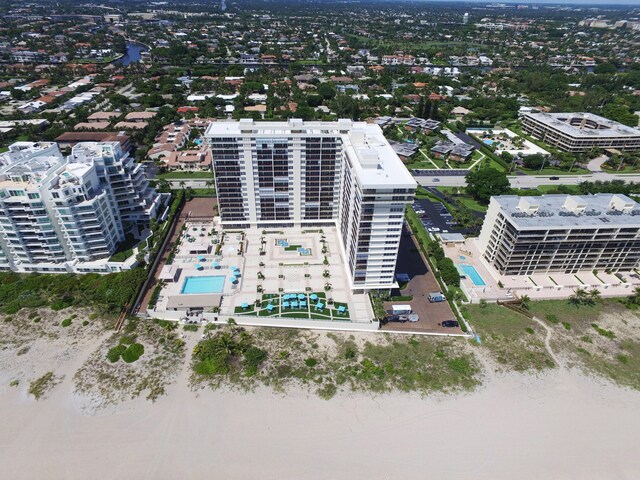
<point x="557" y="426"/>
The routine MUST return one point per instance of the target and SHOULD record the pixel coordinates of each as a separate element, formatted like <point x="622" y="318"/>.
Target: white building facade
<point x="68" y="215"/>
<point x="313" y="174"/>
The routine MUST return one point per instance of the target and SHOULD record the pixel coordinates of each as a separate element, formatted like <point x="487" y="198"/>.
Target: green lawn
<point x="555" y="171"/>
<point x="185" y="175"/>
<point x="512" y="340"/>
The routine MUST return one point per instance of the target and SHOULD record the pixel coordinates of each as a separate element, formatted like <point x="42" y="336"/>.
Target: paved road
<point x="531" y="181"/>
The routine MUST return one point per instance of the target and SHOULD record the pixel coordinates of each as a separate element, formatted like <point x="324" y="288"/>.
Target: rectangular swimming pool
<point x="209" y="284"/>
<point x="471" y="272"/>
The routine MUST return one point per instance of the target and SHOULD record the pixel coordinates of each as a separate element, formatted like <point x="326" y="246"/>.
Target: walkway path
<point x="595" y="165"/>
<point x="427" y="157"/>
<point x="547" y="343"/>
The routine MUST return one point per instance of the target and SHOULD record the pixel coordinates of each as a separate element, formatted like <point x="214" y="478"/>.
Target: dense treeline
<point x="106" y="293"/>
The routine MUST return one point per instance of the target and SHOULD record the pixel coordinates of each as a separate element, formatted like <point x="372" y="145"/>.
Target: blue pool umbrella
<point x="301" y="296"/>
<point x="235" y="268"/>
<point x="237" y="273"/>
<point x="303" y="303"/>
<point x="270" y="307"/>
<point x="245" y="305"/>
<point x="215" y="265"/>
<point x="313" y="296"/>
<point x="319" y="306"/>
<point x="202" y="258"/>
<point x="233" y="279"/>
<point x="198" y="266"/>
<point x="294" y="304"/>
<point x="285" y="304"/>
<point x="341" y="309"/>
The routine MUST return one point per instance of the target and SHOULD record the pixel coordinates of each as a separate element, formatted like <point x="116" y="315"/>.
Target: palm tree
<point x="580" y="297"/>
<point x="594" y="296"/>
<point x="182" y="184"/>
<point x="635" y="296"/>
<point x="524" y="302"/>
<point x="209" y="184"/>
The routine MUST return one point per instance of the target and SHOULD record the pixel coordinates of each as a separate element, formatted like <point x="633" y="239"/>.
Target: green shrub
<point x="114" y="354"/>
<point x="253" y="358"/>
<point x="311" y="362"/>
<point x="133" y="353"/>
<point x="449" y="272"/>
<point x="66" y="322"/>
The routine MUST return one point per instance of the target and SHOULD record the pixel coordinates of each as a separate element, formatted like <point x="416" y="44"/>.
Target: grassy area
<point x="39" y="387"/>
<point x="600" y="339"/>
<point x="555" y="171"/>
<point x="564" y="311"/>
<point x="279" y="358"/>
<point x="464" y="199"/>
<point x="185" y="176"/>
<point x="512" y="340"/>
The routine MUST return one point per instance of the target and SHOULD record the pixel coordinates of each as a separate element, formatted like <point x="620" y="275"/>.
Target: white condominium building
<point x="561" y="233"/>
<point x="295" y="173"/>
<point x="68" y="215"/>
<point x="580" y="132"/>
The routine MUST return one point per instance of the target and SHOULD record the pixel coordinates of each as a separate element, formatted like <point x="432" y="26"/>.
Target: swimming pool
<point x="471" y="272"/>
<point x="209" y="284"/>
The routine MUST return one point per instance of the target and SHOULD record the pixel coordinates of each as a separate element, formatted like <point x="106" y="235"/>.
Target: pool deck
<point x="543" y="286"/>
<point x="267" y="267"/>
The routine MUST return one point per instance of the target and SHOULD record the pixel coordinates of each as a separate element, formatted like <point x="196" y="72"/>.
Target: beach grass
<point x="334" y="362"/>
<point x="506" y="336"/>
<point x="600" y="339"/>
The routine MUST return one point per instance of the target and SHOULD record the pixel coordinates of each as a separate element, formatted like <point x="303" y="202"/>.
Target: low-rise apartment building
<point x="580" y="132"/>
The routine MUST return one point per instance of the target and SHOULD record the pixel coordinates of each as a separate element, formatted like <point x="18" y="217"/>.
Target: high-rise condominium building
<point x="295" y="173"/>
<point x="68" y="215"/>
<point x="561" y="233"/>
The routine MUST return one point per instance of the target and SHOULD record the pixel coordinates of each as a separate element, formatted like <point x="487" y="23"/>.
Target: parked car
<point x="554" y="178"/>
<point x="450" y="324"/>
<point x="436" y="179"/>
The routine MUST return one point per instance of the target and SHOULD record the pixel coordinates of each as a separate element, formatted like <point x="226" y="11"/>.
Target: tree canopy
<point x="487" y="182"/>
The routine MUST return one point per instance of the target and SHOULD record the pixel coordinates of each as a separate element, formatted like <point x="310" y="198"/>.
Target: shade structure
<point x="301" y="296"/>
<point x="294" y="304"/>
<point x="202" y="258"/>
<point x="245" y="305"/>
<point x="198" y="266"/>
<point x="233" y="279"/>
<point x="285" y="296"/>
<point x="313" y="296"/>
<point x="270" y="307"/>
<point x="236" y="273"/>
<point x="215" y="265"/>
<point x="341" y="309"/>
<point x="235" y="268"/>
<point x="319" y="306"/>
<point x="303" y="303"/>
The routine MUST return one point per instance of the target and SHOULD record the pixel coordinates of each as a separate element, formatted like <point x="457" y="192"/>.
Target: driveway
<point x="423" y="281"/>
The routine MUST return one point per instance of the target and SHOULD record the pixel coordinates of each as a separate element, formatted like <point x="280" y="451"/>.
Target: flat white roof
<point x="584" y="125"/>
<point x="374" y="160"/>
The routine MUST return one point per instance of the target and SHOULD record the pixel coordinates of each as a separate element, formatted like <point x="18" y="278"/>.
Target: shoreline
<point x="559" y="424"/>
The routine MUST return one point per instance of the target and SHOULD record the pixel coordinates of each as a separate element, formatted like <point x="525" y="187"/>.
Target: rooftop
<point x="603" y="210"/>
<point x="582" y="124"/>
<point x="372" y="157"/>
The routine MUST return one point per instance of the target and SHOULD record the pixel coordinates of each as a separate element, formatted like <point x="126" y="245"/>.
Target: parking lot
<point x="422" y="281"/>
<point x="435" y="217"/>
